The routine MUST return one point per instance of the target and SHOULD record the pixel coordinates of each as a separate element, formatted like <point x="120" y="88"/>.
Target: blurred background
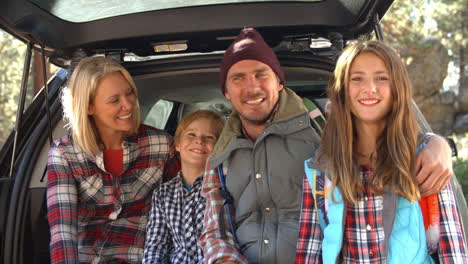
<point x="430" y="35"/>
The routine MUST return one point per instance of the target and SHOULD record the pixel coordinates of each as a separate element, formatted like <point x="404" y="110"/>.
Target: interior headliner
<point x="195" y="86"/>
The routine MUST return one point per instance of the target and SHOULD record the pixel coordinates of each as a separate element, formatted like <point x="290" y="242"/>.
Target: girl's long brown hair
<point x="396" y="146"/>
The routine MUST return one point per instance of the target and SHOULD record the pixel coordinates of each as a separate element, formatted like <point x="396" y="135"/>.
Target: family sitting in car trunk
<point x="269" y="187"/>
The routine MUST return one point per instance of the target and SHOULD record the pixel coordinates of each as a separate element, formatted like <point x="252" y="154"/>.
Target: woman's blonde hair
<point x="396" y="146"/>
<point x="80" y="93"/>
<point x="216" y="120"/>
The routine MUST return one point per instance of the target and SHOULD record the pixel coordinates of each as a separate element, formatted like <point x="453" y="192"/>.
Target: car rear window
<point x="159" y="114"/>
<point x="89" y="10"/>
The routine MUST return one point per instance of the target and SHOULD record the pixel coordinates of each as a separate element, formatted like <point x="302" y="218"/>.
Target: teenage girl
<point x="360" y="200"/>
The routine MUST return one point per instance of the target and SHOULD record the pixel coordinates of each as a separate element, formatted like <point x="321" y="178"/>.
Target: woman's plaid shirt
<point x="99" y="218"/>
<point x="175" y="224"/>
<point x="364" y="234"/>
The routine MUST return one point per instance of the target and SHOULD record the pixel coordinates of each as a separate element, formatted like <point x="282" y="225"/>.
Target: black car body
<point x="174" y="55"/>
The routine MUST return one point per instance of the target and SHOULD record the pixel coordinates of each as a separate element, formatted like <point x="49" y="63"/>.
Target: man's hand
<point x="434" y="166"/>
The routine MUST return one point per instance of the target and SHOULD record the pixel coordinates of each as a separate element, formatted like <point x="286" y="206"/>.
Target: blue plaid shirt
<point x="175" y="224"/>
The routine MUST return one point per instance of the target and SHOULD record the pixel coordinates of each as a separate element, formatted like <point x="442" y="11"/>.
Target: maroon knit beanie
<point x="249" y="45"/>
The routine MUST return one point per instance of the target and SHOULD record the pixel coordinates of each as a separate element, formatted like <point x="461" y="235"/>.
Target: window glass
<point x="88" y="10"/>
<point x="12" y="53"/>
<point x="159" y="114"/>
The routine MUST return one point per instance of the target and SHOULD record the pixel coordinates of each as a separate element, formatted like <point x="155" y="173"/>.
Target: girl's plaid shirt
<point x="363" y="234"/>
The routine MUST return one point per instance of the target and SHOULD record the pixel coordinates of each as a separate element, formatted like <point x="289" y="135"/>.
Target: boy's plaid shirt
<point x="100" y="218"/>
<point x="175" y="224"/>
<point x="364" y="235"/>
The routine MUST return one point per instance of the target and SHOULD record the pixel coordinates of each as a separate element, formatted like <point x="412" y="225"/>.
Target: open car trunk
<point x="173" y="53"/>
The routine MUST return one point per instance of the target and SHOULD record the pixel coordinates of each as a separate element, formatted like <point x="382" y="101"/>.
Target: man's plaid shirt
<point x="175" y="224"/>
<point x="365" y="245"/>
<point x="216" y="247"/>
<point x="99" y="218"/>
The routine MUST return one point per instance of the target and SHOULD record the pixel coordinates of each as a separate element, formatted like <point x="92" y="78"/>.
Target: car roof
<point x="200" y="28"/>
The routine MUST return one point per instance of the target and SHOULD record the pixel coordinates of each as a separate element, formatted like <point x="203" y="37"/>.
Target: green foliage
<point x="452" y="27"/>
<point x="409" y="22"/>
<point x="460" y="167"/>
<point x="403" y="26"/>
<point x="11" y="66"/>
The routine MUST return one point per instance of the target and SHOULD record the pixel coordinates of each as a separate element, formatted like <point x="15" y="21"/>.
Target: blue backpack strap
<point x="228" y="206"/>
<point x="424" y="140"/>
<point x="312" y="175"/>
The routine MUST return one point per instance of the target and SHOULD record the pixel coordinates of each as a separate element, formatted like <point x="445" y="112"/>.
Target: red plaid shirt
<point x="96" y="217"/>
<point x="366" y="245"/>
<point x="216" y="248"/>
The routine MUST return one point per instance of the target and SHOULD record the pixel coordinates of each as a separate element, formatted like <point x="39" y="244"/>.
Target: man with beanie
<point x="261" y="150"/>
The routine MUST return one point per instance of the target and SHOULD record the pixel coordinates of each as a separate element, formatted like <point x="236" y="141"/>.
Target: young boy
<point x="176" y="218"/>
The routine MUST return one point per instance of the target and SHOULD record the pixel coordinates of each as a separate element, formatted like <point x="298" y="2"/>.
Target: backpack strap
<point x="312" y="176"/>
<point x="228" y="206"/>
<point x="316" y="117"/>
<point x="390" y="203"/>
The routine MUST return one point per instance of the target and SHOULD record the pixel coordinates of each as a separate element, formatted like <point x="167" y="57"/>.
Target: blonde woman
<point x="360" y="202"/>
<point x="102" y="175"/>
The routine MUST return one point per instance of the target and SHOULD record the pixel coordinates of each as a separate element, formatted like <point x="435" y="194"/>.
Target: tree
<point x="452" y="28"/>
<point x="403" y="26"/>
<point x="407" y="23"/>
<point x="11" y="66"/>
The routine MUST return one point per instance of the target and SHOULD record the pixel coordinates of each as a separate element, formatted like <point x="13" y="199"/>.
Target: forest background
<point x="414" y="27"/>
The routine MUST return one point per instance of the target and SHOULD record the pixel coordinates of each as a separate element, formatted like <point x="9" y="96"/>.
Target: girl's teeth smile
<point x="369" y="101"/>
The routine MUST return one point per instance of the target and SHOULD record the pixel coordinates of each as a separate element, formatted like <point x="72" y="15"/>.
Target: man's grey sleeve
<point x="457" y="190"/>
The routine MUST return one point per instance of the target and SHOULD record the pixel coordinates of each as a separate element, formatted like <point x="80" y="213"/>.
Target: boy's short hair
<point x="216" y="120"/>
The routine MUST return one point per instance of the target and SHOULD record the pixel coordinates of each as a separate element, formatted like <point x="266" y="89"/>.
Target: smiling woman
<point x="101" y="177"/>
<point x="113" y="109"/>
<point x="105" y="91"/>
